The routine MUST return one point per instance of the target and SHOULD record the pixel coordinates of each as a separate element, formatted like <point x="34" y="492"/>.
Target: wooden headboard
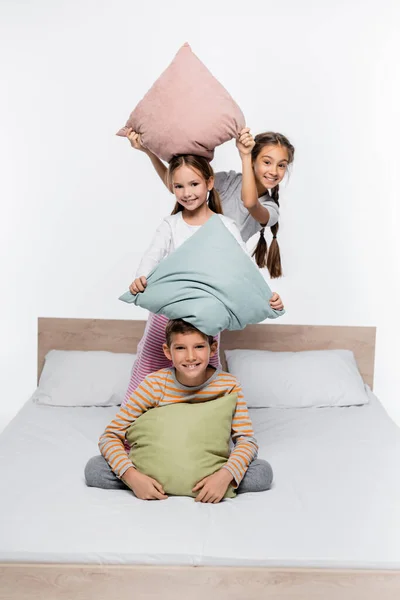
<point x="123" y="336"/>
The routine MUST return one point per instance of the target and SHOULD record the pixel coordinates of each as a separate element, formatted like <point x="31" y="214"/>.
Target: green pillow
<point x="208" y="281"/>
<point x="180" y="444"/>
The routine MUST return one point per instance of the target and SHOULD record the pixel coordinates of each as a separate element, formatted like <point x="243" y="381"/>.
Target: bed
<point x="329" y="528"/>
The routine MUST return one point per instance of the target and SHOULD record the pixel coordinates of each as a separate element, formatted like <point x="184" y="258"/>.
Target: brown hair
<point x="272" y="258"/>
<point x="175" y="326"/>
<point x="200" y="164"/>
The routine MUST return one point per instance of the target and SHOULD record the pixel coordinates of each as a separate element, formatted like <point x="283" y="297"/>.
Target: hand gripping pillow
<point x="186" y="111"/>
<point x="209" y="282"/>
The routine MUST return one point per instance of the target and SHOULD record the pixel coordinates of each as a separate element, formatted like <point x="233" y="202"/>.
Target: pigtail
<point x="261" y="250"/>
<point x="274" y="264"/>
<point x="214" y="202"/>
<point x="176" y="162"/>
<point x="177" y="208"/>
<point x="272" y="258"/>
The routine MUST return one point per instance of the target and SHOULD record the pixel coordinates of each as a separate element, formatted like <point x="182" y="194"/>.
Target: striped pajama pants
<point x="150" y="356"/>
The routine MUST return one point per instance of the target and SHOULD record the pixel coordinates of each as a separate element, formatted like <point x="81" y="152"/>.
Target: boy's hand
<point x="144" y="487"/>
<point x="139" y="285"/>
<point x="245" y="142"/>
<point x="213" y="488"/>
<point x="135" y="140"/>
<point x="276" y="302"/>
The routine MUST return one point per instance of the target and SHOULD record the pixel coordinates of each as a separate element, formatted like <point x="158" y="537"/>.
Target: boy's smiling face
<point x="190" y="354"/>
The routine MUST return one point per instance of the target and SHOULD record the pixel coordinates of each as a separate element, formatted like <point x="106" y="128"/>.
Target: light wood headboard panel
<point x="123" y="336"/>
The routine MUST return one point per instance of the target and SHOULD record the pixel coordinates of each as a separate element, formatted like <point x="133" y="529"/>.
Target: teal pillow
<point x="180" y="444"/>
<point x="208" y="281"/>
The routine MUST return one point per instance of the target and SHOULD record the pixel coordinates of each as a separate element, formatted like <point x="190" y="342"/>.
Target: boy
<point x="192" y="379"/>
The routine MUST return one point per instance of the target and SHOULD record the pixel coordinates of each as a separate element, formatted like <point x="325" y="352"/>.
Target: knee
<point x="266" y="474"/>
<point x="91" y="470"/>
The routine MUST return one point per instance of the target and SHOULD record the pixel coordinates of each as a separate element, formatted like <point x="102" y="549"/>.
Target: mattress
<point x="335" y="501"/>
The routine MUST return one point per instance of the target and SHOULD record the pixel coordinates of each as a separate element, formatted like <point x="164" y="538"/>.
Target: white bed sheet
<point x="335" y="501"/>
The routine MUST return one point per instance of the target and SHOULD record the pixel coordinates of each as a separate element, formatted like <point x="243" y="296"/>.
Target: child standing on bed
<point x="192" y="180"/>
<point x="191" y="379"/>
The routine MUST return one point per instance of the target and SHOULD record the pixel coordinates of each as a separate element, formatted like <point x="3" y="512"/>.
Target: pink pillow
<point x="186" y="111"/>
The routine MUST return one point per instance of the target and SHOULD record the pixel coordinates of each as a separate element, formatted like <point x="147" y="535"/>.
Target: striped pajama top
<point x="161" y="389"/>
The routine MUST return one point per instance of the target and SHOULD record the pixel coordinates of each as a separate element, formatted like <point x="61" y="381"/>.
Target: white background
<point x="78" y="206"/>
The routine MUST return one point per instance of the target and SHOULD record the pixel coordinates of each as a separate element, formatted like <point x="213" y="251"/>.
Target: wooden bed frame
<point x="101" y="582"/>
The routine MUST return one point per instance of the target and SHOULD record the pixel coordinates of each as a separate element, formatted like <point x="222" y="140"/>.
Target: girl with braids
<point x="192" y="180"/>
<point x="250" y="198"/>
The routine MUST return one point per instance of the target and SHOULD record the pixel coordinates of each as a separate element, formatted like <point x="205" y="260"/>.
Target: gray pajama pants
<point x="258" y="477"/>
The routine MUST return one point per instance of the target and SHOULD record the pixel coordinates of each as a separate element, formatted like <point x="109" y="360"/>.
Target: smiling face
<point x="190" y="354"/>
<point x="190" y="187"/>
<point x="270" y="167"/>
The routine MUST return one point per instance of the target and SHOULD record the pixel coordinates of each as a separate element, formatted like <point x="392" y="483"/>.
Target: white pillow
<point x="297" y="379"/>
<point x="84" y="378"/>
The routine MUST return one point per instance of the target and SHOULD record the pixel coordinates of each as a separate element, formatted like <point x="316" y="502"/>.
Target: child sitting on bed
<point x="191" y="379"/>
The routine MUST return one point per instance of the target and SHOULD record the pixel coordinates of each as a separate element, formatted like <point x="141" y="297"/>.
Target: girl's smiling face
<point x="190" y="187"/>
<point x="270" y="167"/>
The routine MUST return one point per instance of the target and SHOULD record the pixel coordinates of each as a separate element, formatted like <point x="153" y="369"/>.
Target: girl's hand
<point x="213" y="488"/>
<point x="135" y="140"/>
<point x="245" y="142"/>
<point x="276" y="302"/>
<point x="138" y="286"/>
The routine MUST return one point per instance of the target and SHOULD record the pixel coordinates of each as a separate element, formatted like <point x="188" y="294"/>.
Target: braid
<point x="261" y="250"/>
<point x="274" y="264"/>
<point x="272" y="258"/>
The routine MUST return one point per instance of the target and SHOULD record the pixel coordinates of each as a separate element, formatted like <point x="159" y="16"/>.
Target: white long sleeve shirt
<point x="171" y="234"/>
